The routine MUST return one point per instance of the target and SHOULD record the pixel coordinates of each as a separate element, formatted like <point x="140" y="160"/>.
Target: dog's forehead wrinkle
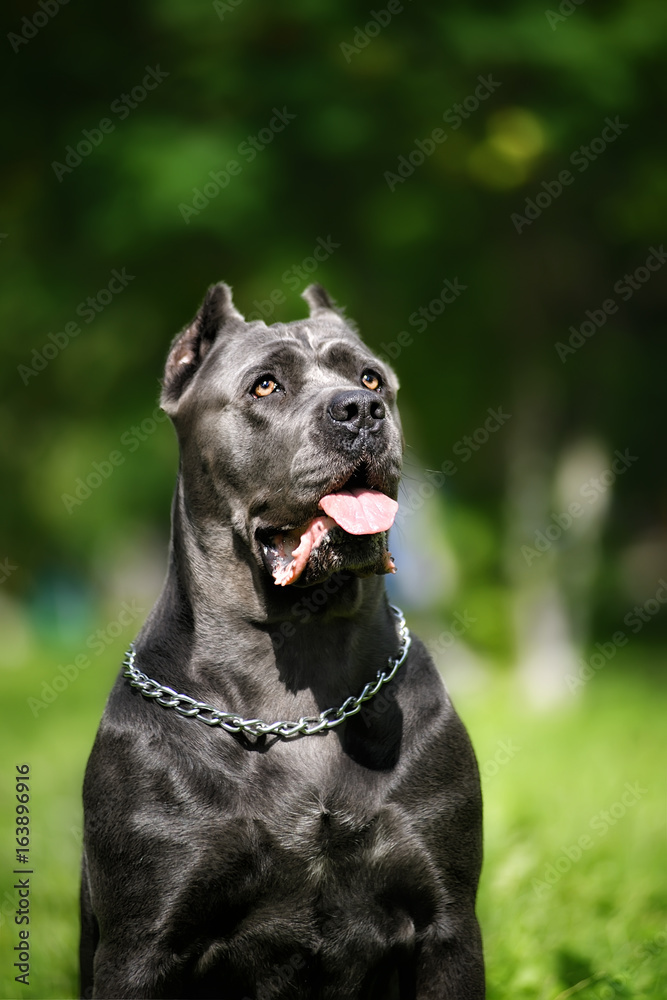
<point x="313" y="346"/>
<point x="316" y="334"/>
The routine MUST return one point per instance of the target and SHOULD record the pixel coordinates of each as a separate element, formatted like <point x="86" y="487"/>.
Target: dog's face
<point x="290" y="435"/>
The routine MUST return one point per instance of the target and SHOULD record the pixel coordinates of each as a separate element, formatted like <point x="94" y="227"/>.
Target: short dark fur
<point x="342" y="865"/>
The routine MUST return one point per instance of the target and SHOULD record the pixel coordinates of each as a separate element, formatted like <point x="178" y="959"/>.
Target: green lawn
<point x="573" y="900"/>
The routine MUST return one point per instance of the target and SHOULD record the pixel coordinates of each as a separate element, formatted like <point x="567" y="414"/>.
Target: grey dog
<point x="320" y="836"/>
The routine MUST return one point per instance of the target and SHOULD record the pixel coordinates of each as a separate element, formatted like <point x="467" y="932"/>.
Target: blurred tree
<point x="474" y="183"/>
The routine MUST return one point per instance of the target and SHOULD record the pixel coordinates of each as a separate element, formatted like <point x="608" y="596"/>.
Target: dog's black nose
<point x="357" y="409"/>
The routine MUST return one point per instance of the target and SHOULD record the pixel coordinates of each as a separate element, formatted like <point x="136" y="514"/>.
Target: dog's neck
<point x="326" y="641"/>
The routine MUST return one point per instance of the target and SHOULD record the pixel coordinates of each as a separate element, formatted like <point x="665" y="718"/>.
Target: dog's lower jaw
<point x="332" y="551"/>
<point x="287" y="553"/>
<point x="363" y="556"/>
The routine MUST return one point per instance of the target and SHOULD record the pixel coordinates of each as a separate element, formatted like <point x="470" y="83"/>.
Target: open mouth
<point x="356" y="510"/>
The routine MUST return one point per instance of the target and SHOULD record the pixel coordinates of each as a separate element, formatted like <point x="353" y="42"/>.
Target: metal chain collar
<point x="306" y="726"/>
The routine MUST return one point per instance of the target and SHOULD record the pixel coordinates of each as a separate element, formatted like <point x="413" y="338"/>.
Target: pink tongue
<point x="359" y="511"/>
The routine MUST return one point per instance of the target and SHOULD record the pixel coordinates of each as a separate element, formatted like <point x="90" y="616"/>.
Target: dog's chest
<point x="303" y="866"/>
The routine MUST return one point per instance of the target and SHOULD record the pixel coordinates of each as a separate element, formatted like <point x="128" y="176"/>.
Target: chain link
<point x="307" y="725"/>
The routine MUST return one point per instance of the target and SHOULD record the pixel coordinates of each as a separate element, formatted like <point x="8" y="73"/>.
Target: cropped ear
<point x="191" y="346"/>
<point x="322" y="306"/>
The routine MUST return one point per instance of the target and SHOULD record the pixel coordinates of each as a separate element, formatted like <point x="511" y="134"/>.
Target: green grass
<point x="573" y="899"/>
<point x="599" y="931"/>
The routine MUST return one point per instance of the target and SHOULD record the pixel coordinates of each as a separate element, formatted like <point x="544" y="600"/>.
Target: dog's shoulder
<point x="424" y="686"/>
<point x="433" y="730"/>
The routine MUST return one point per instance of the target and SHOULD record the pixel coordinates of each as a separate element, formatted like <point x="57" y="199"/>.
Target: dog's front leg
<point x="139" y="973"/>
<point x="452" y="969"/>
<point x="89" y="936"/>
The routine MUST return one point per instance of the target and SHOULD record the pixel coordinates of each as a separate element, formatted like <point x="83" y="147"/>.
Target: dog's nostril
<point x="345" y="411"/>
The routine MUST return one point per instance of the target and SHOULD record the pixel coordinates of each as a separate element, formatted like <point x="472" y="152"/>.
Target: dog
<point x="320" y="835"/>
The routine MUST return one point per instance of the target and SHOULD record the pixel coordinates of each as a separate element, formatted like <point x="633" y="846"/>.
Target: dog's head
<point x="289" y="435"/>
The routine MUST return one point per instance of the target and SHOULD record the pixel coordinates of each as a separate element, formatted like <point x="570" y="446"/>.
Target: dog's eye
<point x="370" y="380"/>
<point x="264" y="387"/>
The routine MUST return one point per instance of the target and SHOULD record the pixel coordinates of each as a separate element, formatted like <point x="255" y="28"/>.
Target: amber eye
<point x="370" y="380"/>
<point x="264" y="387"/>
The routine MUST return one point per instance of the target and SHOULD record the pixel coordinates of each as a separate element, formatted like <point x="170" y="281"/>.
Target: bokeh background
<point x="483" y="187"/>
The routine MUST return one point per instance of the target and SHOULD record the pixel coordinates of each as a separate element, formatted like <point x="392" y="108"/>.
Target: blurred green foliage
<point x="361" y="99"/>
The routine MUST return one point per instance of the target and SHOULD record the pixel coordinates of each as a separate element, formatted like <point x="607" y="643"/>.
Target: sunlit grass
<point x="574" y="890"/>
